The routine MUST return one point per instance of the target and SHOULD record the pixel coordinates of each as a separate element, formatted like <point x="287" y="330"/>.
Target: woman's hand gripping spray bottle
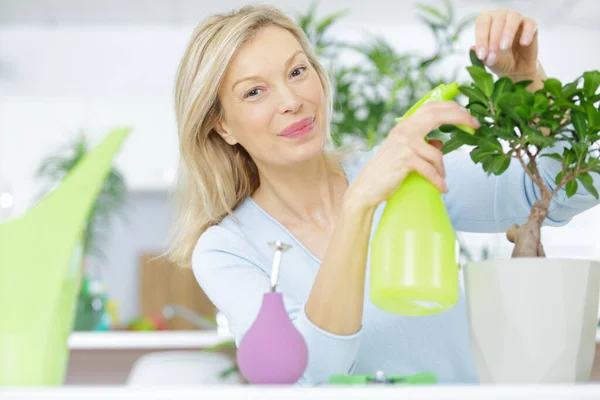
<point x="414" y="268"/>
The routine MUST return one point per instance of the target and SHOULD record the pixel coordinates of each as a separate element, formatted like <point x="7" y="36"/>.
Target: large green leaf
<point x="474" y="94"/>
<point x="593" y="115"/>
<point x="500" y="164"/>
<point x="554" y="87"/>
<point x="476" y="61"/>
<point x="483" y="80"/>
<point x="579" y="122"/>
<point x="501" y="86"/>
<point x="571" y="90"/>
<point x="588" y="183"/>
<point x="591" y="82"/>
<point x="540" y="103"/>
<point x="571" y="187"/>
<point x="453" y="144"/>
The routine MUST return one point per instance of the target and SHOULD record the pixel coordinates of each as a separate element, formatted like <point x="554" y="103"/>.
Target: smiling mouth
<point x="302" y="129"/>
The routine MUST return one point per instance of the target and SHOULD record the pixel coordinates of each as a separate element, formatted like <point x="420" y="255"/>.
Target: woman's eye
<point x="252" y="93"/>
<point x="298" y="69"/>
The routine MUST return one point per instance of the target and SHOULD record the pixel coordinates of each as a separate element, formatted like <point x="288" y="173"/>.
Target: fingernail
<point x="491" y="60"/>
<point x="504" y="43"/>
<point x="481" y="53"/>
<point x="525" y="40"/>
<point x="476" y="122"/>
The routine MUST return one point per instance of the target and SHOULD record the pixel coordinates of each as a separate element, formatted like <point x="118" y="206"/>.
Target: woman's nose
<point x="290" y="101"/>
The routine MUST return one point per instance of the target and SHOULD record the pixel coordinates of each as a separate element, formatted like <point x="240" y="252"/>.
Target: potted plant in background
<point x="383" y="82"/>
<point x="109" y="204"/>
<point x="533" y="318"/>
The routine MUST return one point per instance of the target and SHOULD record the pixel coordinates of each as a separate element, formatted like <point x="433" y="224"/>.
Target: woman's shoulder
<point x="230" y="236"/>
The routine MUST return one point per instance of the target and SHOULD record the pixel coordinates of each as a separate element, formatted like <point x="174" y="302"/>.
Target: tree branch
<point x="519" y="157"/>
<point x="536" y="177"/>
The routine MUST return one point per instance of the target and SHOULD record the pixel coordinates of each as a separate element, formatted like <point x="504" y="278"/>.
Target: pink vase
<point x="272" y="351"/>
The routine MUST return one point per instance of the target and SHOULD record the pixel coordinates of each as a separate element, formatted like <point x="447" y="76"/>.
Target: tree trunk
<point x="527" y="238"/>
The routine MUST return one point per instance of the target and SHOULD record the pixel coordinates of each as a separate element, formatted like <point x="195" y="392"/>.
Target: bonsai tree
<point x="558" y="121"/>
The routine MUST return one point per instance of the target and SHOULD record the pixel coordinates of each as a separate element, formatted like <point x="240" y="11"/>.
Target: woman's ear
<point x="221" y="129"/>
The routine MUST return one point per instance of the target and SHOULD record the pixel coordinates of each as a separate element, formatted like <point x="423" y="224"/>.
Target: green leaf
<point x="487" y="164"/>
<point x="432" y="11"/>
<point x="559" y="177"/>
<point x="524" y="84"/>
<point x="540" y="103"/>
<point x="593" y="115"/>
<point x="483" y="80"/>
<point x="474" y="94"/>
<point x="490" y="144"/>
<point x="468" y="139"/>
<point x="478" y="154"/>
<point x="506" y="106"/>
<point x="451" y="145"/>
<point x="570" y="157"/>
<point x="553" y="86"/>
<point x="570" y="90"/>
<point x="329" y="20"/>
<point x="588" y="183"/>
<point x="579" y="122"/>
<point x="537" y="139"/>
<point x="524" y="112"/>
<point x="480" y="109"/>
<point x="571" y="187"/>
<point x="500" y="164"/>
<point x="476" y="61"/>
<point x="504" y="133"/>
<point x="581" y="149"/>
<point x="591" y="82"/>
<point x="501" y="86"/>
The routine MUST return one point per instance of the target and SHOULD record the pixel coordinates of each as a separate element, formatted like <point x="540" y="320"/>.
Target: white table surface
<point x="494" y="392"/>
<point x="153" y="339"/>
<point x="145" y="340"/>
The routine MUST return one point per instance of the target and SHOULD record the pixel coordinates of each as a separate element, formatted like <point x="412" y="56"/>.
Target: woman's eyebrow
<point x="258" y="77"/>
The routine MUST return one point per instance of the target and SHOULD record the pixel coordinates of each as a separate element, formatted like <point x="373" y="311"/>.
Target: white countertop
<point x="145" y="340"/>
<point x="456" y="392"/>
<point x="153" y="339"/>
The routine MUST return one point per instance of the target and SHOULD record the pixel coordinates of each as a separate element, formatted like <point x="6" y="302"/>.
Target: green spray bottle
<point x="414" y="268"/>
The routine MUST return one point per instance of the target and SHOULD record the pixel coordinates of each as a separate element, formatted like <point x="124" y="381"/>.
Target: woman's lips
<point x="299" y="128"/>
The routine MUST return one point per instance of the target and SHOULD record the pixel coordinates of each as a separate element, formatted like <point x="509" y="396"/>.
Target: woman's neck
<point x="310" y="193"/>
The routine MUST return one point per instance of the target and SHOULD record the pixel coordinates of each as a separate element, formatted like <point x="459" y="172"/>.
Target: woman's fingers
<point x="529" y="30"/>
<point x="496" y="29"/>
<point x="429" y="172"/>
<point x="432" y="155"/>
<point x="432" y="115"/>
<point x="482" y="33"/>
<point x="511" y="27"/>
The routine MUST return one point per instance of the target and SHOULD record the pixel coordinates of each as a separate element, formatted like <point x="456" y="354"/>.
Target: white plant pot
<point x="533" y="319"/>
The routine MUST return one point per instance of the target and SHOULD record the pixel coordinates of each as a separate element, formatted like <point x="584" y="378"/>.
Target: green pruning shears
<point x="443" y="92"/>
<point x="380" y="378"/>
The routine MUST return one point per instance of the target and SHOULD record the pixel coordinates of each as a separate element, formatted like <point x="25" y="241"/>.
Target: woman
<point x="253" y="107"/>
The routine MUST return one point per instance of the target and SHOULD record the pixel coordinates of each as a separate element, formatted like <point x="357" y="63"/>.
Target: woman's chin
<point x="306" y="149"/>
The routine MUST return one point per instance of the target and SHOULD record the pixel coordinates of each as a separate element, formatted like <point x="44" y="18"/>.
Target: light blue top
<point x="232" y="264"/>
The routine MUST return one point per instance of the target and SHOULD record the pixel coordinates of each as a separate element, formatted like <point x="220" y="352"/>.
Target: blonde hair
<point x="215" y="177"/>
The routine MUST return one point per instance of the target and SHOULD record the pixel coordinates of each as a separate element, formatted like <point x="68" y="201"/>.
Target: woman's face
<point x="273" y="101"/>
